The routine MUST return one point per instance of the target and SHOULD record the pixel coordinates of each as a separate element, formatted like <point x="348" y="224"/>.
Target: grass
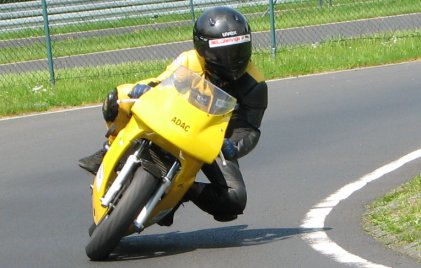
<point x="80" y="86"/>
<point x="395" y="219"/>
<point x="74" y="87"/>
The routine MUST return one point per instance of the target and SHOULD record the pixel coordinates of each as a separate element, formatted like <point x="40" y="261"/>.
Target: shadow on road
<point x="159" y="245"/>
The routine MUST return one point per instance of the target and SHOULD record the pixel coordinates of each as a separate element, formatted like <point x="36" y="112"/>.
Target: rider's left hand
<point x="229" y="150"/>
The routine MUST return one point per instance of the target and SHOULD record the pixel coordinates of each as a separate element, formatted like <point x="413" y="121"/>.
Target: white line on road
<point x="49" y="112"/>
<point x="316" y="217"/>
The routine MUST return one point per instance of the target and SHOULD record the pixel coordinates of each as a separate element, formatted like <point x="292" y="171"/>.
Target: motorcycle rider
<point x="222" y="52"/>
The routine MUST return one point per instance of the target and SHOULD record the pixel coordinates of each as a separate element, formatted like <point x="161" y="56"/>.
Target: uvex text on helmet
<point x="222" y="36"/>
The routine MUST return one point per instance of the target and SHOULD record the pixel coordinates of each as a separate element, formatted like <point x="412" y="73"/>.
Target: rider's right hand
<point x="110" y="106"/>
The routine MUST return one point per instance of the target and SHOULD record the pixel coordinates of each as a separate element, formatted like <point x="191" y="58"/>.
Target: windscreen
<point x="200" y="92"/>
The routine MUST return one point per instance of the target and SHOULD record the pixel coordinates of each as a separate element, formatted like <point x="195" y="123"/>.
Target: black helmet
<point x="222" y="36"/>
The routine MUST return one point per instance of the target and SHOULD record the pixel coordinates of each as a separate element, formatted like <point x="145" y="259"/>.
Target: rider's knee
<point x="234" y="205"/>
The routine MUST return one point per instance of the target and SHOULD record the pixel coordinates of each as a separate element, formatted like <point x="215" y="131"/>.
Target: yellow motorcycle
<point x="172" y="130"/>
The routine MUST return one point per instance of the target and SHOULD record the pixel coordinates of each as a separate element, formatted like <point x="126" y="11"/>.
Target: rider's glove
<point x="138" y="90"/>
<point x="110" y="106"/>
<point x="229" y="150"/>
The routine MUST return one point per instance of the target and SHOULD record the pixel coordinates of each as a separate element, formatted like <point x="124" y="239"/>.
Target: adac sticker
<point x="228" y="41"/>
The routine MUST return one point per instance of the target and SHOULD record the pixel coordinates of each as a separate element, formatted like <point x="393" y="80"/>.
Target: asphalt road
<point x="319" y="133"/>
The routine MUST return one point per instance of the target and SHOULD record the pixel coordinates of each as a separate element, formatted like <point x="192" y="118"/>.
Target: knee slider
<point x="236" y="200"/>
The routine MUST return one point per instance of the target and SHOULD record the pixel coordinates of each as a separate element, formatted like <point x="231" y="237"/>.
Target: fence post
<point x="192" y="11"/>
<point x="272" y="26"/>
<point x="48" y="42"/>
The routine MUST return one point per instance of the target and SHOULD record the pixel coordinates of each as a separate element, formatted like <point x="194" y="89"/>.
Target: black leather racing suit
<point x="225" y="197"/>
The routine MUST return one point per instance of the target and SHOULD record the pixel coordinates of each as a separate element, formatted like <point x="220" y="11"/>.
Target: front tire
<point x="109" y="232"/>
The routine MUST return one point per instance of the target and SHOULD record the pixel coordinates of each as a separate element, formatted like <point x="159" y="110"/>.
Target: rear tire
<point x="108" y="233"/>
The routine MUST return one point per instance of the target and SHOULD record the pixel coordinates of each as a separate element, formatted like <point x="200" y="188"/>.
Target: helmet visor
<point x="228" y="57"/>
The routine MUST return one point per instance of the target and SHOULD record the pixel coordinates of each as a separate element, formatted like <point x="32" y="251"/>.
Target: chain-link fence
<point x="64" y="39"/>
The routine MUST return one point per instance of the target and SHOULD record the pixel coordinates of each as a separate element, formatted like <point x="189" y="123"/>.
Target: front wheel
<point x="109" y="232"/>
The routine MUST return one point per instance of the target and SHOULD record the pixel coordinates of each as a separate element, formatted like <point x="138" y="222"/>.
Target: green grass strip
<point x="395" y="219"/>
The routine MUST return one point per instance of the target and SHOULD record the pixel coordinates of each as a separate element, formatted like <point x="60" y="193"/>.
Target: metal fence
<point x="44" y="39"/>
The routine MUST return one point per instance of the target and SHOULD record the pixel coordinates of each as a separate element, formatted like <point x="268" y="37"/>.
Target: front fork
<point x="123" y="175"/>
<point x="140" y="220"/>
